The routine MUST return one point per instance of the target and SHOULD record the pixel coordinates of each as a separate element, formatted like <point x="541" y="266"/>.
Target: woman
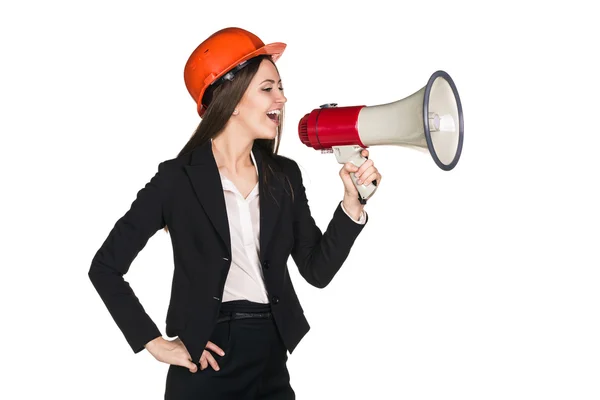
<point x="235" y="212"/>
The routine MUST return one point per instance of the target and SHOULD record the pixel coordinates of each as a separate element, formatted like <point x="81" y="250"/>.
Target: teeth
<point x="275" y="112"/>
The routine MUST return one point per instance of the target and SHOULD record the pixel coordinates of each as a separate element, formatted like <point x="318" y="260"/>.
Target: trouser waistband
<point x="239" y="309"/>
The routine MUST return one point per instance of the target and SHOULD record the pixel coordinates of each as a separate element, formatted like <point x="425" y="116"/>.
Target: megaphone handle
<point x="352" y="153"/>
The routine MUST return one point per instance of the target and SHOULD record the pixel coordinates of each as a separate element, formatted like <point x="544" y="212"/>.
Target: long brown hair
<point x="222" y="101"/>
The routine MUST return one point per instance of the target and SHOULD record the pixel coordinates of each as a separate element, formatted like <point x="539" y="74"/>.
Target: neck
<point x="232" y="154"/>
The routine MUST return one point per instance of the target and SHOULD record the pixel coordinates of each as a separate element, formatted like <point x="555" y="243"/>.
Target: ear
<point x="236" y="112"/>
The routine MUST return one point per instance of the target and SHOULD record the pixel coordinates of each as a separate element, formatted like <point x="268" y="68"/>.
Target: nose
<point x="281" y="98"/>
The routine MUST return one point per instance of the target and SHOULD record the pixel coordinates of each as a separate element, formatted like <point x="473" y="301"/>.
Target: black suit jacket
<point x="186" y="195"/>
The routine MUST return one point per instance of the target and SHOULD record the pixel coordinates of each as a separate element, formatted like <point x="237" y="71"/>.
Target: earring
<point x="235" y="112"/>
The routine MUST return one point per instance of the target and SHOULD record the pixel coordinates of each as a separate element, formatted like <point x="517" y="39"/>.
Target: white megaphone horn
<point x="429" y="119"/>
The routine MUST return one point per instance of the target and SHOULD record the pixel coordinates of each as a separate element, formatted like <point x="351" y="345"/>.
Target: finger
<point x="366" y="171"/>
<point x="211" y="346"/>
<point x="203" y="361"/>
<point x="365" y="166"/>
<point x="351" y="167"/>
<point x="377" y="179"/>
<point x="365" y="153"/>
<point x="371" y="178"/>
<point x="211" y="360"/>
<point x="364" y="174"/>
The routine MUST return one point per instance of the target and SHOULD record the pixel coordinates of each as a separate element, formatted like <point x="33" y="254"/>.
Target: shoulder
<point x="286" y="163"/>
<point x="174" y="165"/>
<point x="289" y="167"/>
<point x="170" y="172"/>
<point x="176" y="162"/>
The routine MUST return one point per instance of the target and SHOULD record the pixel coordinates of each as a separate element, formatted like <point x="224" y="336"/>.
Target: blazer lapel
<point x="270" y="204"/>
<point x="206" y="182"/>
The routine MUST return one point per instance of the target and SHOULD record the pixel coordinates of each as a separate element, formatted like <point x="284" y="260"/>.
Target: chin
<point x="267" y="134"/>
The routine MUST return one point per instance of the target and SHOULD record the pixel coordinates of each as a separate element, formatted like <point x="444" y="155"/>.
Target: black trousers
<point x="253" y="367"/>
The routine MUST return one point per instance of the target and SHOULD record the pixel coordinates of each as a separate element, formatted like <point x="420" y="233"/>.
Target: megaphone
<point x="430" y="120"/>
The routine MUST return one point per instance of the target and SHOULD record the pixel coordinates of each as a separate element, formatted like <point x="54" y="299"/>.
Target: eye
<point x="267" y="89"/>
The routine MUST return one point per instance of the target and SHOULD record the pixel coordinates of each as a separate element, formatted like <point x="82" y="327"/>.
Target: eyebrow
<point x="269" y="80"/>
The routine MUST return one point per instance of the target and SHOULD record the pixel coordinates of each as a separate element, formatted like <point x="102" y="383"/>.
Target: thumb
<point x="349" y="167"/>
<point x="191" y="366"/>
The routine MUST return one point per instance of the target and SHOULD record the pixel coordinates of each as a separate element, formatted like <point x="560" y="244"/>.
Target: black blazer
<point x="186" y="195"/>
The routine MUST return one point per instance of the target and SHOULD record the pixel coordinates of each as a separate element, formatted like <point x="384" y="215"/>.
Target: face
<point x="260" y="107"/>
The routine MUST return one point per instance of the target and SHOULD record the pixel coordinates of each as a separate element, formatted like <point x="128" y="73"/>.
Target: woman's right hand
<point x="174" y="352"/>
<point x="171" y="352"/>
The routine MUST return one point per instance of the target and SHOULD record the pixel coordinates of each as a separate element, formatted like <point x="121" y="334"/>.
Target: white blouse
<point x="245" y="280"/>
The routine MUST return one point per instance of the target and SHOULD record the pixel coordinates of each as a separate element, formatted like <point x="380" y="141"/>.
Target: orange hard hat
<point x="222" y="52"/>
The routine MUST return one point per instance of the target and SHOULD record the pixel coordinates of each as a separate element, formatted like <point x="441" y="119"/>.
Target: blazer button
<point x="266" y="264"/>
<point x="275" y="299"/>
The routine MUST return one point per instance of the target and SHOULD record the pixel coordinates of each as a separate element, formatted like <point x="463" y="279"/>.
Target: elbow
<point x="100" y="273"/>
<point x="316" y="275"/>
<point x="321" y="284"/>
<point x="94" y="274"/>
<point x="96" y="269"/>
<point x="318" y="281"/>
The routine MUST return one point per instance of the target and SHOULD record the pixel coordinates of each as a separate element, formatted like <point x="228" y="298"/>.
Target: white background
<point x="478" y="283"/>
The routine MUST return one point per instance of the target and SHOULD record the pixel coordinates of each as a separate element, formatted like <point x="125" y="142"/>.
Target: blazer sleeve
<point x="319" y="255"/>
<point x="128" y="236"/>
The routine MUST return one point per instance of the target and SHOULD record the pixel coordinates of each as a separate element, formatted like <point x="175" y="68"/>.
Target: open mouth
<point x="274" y="116"/>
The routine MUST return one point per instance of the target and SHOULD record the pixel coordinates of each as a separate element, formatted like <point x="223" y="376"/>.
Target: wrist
<point x="153" y="342"/>
<point x="353" y="207"/>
